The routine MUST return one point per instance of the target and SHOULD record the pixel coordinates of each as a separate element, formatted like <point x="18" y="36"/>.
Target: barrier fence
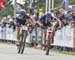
<point x="7" y="34"/>
<point x="63" y="37"/>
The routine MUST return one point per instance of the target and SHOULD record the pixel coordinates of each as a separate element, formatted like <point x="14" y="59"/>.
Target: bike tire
<point x="23" y="42"/>
<point x="48" y="46"/>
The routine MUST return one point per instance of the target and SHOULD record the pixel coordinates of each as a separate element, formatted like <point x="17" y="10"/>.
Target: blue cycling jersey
<point x="46" y="19"/>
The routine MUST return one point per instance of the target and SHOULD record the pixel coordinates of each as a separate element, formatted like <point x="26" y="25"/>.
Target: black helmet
<point x="22" y="12"/>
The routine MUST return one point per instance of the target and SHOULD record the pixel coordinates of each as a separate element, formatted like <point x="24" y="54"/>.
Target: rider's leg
<point x="17" y="34"/>
<point x="44" y="39"/>
<point x="46" y="35"/>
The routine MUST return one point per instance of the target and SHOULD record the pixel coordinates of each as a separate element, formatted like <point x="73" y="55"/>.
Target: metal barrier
<point x="64" y="37"/>
<point x="7" y="34"/>
<point x="36" y="36"/>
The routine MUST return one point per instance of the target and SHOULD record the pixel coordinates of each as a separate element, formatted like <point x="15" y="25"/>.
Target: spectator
<point x="36" y="15"/>
<point x="69" y="16"/>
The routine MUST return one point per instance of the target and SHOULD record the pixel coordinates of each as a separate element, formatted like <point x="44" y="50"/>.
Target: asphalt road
<point x="9" y="52"/>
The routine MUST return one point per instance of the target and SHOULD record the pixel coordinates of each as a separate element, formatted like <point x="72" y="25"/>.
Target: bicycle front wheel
<point x="48" y="44"/>
<point x="22" y="42"/>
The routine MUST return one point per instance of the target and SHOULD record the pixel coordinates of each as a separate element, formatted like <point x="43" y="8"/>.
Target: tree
<point x="72" y="2"/>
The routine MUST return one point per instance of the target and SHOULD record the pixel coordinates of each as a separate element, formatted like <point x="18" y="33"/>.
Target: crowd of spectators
<point x="8" y="22"/>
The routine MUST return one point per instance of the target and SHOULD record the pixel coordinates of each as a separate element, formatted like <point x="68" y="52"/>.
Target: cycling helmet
<point x="22" y="12"/>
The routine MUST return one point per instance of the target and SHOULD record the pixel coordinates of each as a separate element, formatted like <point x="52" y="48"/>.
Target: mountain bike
<point x="50" y="33"/>
<point x="22" y="38"/>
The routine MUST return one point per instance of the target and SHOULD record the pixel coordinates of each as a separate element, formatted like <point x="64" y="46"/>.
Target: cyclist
<point x="46" y="22"/>
<point x="21" y="20"/>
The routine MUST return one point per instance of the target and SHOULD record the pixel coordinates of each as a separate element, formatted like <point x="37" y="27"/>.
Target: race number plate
<point x="49" y="29"/>
<point x="24" y="28"/>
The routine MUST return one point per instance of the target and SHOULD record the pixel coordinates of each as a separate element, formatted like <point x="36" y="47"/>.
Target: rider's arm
<point x="16" y="21"/>
<point x="60" y="23"/>
<point x="32" y="20"/>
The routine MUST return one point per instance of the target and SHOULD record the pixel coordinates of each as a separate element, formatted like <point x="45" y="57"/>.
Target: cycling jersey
<point x="46" y="19"/>
<point x="21" y="20"/>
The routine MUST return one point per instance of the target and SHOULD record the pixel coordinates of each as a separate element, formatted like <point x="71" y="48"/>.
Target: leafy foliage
<point x="37" y="5"/>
